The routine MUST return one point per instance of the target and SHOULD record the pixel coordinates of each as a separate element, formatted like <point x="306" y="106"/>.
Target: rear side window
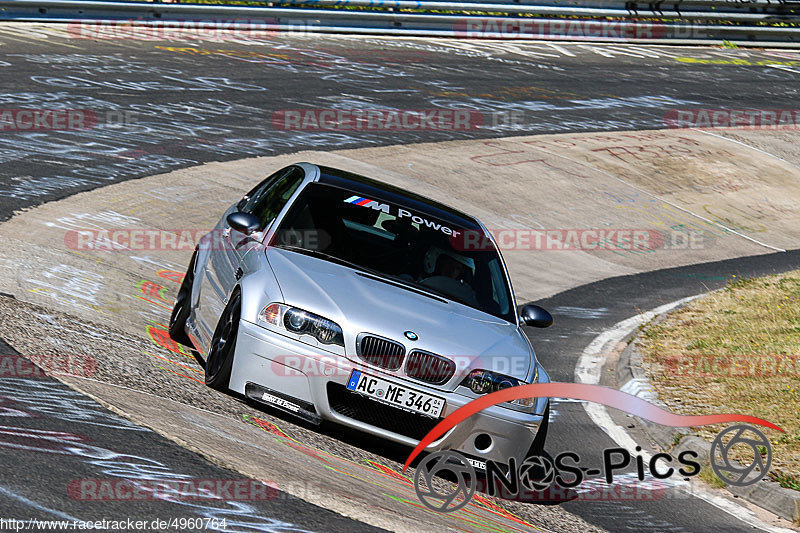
<point x="267" y="200"/>
<point x="249" y="200"/>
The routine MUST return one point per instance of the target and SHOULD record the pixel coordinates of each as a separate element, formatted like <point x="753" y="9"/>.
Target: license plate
<point x="397" y="395"/>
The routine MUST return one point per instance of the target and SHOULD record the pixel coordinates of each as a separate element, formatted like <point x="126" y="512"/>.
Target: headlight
<point x="302" y="323"/>
<point x="484" y="382"/>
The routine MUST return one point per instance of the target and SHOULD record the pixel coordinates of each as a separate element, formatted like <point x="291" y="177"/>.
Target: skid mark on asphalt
<point x="580" y="312"/>
<point x="41" y="398"/>
<point x="135" y="149"/>
<point x="234" y="515"/>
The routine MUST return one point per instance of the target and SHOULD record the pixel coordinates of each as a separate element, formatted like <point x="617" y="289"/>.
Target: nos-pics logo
<point x="446" y="481"/>
<point x="537" y="473"/>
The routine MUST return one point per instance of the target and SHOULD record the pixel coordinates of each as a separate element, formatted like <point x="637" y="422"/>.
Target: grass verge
<point x="708" y="475"/>
<point x="736" y="350"/>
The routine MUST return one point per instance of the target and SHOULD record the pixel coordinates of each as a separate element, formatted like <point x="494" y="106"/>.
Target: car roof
<point x="369" y="187"/>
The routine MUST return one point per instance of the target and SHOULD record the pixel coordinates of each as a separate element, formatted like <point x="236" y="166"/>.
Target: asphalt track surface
<point x="203" y="101"/>
<point x="55" y="439"/>
<point x="177" y="104"/>
<point x="47" y="454"/>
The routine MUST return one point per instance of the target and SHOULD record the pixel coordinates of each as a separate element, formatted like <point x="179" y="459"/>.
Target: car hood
<point x="361" y="304"/>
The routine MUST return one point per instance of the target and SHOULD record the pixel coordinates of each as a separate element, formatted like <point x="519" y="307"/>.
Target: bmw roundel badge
<point x="410" y="335"/>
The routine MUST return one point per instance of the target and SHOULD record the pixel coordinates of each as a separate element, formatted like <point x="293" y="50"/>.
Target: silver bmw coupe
<point x="335" y="297"/>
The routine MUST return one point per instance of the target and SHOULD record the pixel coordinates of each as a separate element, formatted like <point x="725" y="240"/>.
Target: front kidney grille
<point x="381" y="352"/>
<point x="429" y="367"/>
<point x="353" y="405"/>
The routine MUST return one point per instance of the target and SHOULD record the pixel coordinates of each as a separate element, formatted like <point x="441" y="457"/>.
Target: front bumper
<point x="315" y="380"/>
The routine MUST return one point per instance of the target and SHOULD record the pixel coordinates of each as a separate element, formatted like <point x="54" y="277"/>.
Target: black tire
<point x="537" y="447"/>
<point x="220" y="356"/>
<point x="182" y="307"/>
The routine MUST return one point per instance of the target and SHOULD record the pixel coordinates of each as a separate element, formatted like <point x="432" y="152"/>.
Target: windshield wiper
<point x="323" y="255"/>
<point x="403" y="284"/>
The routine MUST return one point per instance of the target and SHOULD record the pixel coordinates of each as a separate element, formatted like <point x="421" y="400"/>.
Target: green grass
<point x="788" y="482"/>
<point x="735" y="351"/>
<point x="708" y="475"/>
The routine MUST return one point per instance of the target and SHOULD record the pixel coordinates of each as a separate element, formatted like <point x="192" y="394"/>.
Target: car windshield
<point x="395" y="242"/>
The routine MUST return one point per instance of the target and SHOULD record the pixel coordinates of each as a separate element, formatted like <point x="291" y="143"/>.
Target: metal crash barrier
<point x="742" y="23"/>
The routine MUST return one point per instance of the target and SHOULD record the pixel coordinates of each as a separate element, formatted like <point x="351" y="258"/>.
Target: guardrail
<point x="744" y="23"/>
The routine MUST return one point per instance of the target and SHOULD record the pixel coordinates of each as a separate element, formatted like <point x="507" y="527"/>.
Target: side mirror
<point x="535" y="316"/>
<point x="243" y="222"/>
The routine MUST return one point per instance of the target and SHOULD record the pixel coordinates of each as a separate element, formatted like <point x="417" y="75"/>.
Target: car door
<point x="228" y="247"/>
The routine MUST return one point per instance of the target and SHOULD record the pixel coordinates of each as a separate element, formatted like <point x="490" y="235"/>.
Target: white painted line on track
<point x="717" y="135"/>
<point x="784" y="67"/>
<point x="588" y="370"/>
